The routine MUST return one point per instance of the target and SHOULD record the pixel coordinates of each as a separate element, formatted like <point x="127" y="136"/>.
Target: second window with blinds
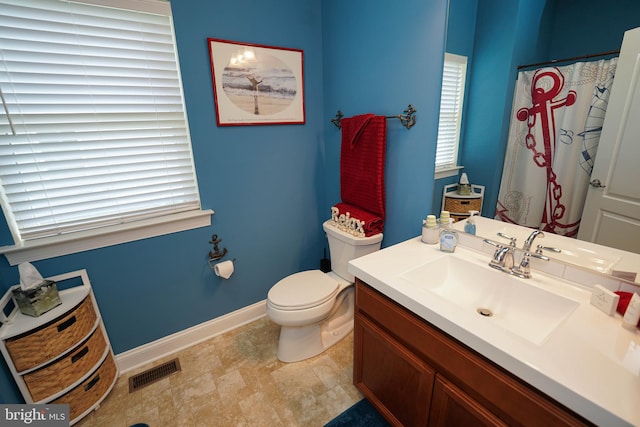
<point x="449" y="126"/>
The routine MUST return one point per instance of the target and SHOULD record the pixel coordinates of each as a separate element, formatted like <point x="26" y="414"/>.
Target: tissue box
<point x="37" y="301"/>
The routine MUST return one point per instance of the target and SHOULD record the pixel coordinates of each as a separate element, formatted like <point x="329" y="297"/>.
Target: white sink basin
<point x="498" y="298"/>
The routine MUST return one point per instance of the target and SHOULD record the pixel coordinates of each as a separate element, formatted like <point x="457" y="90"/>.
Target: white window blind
<point x="451" y="101"/>
<point x="93" y="130"/>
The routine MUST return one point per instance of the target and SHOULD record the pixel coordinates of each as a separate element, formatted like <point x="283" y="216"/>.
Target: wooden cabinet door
<point x="396" y="382"/>
<point x="453" y="407"/>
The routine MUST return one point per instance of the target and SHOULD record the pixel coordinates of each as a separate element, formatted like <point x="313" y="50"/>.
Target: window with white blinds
<point x="93" y="130"/>
<point x="451" y="101"/>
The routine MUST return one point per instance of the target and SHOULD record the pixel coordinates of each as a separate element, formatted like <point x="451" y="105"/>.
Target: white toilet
<point x="315" y="309"/>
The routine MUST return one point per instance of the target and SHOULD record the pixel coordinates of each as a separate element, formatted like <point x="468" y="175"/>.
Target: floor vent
<point x="152" y="375"/>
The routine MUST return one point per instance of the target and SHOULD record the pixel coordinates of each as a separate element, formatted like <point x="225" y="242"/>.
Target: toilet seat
<point x="303" y="290"/>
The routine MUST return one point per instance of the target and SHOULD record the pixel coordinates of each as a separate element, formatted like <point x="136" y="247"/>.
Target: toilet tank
<point x="343" y="247"/>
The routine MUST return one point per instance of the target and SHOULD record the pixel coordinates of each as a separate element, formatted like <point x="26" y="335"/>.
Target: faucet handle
<point x="537" y="255"/>
<point x="512" y="240"/>
<point x="492" y="243"/>
<point x="524" y="269"/>
<point x="540" y="248"/>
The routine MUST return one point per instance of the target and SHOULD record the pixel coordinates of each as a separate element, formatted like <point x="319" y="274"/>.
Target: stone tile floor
<point x="235" y="379"/>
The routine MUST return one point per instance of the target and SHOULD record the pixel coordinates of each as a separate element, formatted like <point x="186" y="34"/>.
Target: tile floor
<point x="235" y="379"/>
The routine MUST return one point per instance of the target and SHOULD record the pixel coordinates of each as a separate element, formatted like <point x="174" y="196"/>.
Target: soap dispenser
<point x="430" y="230"/>
<point x="448" y="236"/>
<point x="470" y="226"/>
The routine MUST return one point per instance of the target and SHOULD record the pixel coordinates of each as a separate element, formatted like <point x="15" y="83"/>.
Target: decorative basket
<point x="462" y="206"/>
<point x="37" y="301"/>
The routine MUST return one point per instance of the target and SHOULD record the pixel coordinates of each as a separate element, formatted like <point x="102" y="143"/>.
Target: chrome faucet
<point x="503" y="256"/>
<point x="529" y="241"/>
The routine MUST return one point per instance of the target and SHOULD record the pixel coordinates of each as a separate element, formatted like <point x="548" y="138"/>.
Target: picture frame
<point x="256" y="84"/>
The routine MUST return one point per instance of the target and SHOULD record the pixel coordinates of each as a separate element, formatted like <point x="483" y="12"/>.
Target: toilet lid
<point x="303" y="290"/>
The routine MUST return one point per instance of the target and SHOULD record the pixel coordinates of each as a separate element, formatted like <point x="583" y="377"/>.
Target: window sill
<point x="91" y="239"/>
<point x="447" y="172"/>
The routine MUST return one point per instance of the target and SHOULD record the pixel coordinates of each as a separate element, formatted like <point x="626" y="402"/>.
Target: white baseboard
<point x="139" y="356"/>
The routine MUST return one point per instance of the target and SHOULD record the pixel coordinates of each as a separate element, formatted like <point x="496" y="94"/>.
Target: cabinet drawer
<point x="59" y="375"/>
<point x="91" y="390"/>
<point x="52" y="339"/>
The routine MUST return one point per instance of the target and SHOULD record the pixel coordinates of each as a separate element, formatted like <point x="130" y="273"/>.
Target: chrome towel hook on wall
<point x="408" y="119"/>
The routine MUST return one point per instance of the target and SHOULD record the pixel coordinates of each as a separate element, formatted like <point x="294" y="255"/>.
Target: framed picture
<point x="256" y="85"/>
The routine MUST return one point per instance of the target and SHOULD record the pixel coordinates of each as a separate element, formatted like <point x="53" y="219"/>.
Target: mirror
<point x="586" y="255"/>
<point x="499" y="35"/>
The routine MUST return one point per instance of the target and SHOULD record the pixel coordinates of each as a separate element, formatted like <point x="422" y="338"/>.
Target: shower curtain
<point x="556" y="120"/>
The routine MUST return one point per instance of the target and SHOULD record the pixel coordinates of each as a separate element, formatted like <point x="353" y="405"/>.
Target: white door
<point x="611" y="215"/>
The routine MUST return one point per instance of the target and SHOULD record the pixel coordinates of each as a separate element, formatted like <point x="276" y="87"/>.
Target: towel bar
<point x="407" y="119"/>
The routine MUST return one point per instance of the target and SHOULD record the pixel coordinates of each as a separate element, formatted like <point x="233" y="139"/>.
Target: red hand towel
<point x="623" y="302"/>
<point x="362" y="157"/>
<point x="373" y="224"/>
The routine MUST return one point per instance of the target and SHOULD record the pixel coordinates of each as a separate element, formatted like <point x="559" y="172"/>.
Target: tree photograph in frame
<point x="255" y="84"/>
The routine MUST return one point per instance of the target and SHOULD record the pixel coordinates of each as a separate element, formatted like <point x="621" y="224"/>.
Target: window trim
<point x="66" y="244"/>
<point x="447" y="172"/>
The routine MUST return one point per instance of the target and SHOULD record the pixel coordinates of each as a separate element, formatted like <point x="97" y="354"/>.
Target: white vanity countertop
<point x="589" y="363"/>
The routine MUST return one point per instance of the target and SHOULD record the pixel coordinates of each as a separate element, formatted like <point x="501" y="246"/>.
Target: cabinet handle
<point x="64" y="325"/>
<point x="79" y="355"/>
<point x="465" y="202"/>
<point x="92" y="383"/>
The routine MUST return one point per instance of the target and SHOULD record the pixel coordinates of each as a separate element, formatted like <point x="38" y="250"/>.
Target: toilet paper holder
<point x="212" y="263"/>
<point x="216" y="254"/>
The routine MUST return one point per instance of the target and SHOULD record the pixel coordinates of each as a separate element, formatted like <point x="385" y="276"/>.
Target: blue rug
<point x="362" y="414"/>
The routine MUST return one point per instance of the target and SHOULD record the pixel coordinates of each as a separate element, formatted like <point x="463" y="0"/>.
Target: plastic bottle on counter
<point x="470" y="226"/>
<point x="632" y="315"/>
<point x="430" y="230"/>
<point x="448" y="236"/>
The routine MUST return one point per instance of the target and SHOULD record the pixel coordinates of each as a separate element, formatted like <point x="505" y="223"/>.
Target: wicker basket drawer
<point x="49" y="341"/>
<point x="460" y="205"/>
<point x="59" y="375"/>
<point x="91" y="390"/>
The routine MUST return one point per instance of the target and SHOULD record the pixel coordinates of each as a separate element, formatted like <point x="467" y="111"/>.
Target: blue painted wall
<point x="460" y="40"/>
<point x="271" y="186"/>
<point x="587" y="27"/>
<point x="378" y="59"/>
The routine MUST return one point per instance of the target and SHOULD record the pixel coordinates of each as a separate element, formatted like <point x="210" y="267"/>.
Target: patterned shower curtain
<point x="556" y="120"/>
